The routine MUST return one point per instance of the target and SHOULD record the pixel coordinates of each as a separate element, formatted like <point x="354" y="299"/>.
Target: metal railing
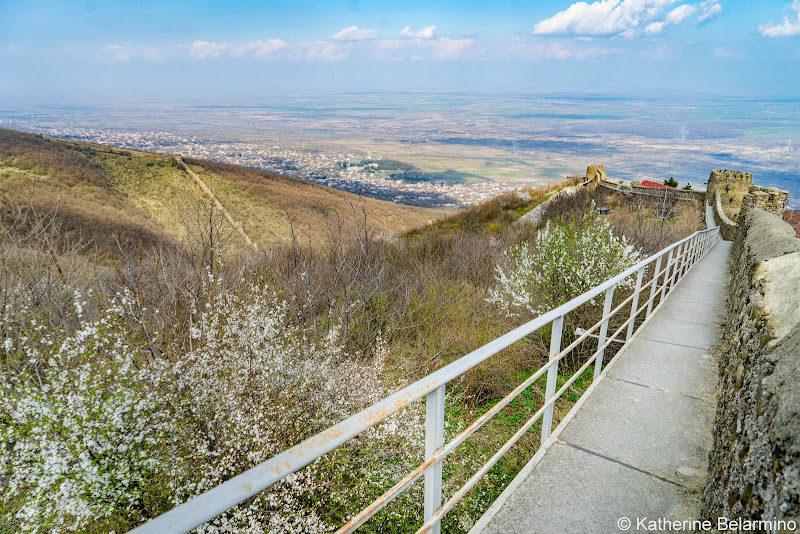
<point x="663" y="270"/>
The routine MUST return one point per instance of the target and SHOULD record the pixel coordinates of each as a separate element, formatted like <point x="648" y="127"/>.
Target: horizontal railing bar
<point x="208" y="505"/>
<point x="217" y="500"/>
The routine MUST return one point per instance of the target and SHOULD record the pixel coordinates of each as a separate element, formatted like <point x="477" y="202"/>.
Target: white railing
<point x="662" y="275"/>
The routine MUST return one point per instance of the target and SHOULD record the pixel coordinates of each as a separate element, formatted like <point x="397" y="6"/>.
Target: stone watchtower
<point x="733" y="186"/>
<point x="595" y="173"/>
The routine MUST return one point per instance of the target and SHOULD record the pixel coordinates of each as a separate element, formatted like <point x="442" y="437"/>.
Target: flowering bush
<point x="252" y="387"/>
<point x="81" y="423"/>
<point x="90" y="428"/>
<point x="567" y="260"/>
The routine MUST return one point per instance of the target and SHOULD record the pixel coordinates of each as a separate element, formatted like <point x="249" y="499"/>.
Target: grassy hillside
<point x="45" y="177"/>
<point x="266" y="203"/>
<point x="102" y="195"/>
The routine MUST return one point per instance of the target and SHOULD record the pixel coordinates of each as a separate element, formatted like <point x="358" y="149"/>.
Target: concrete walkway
<point x="638" y="447"/>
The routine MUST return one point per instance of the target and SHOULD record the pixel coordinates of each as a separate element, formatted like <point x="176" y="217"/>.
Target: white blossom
<point x="566" y="261"/>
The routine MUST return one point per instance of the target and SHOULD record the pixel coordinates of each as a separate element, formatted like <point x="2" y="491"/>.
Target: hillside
<point x="102" y="195"/>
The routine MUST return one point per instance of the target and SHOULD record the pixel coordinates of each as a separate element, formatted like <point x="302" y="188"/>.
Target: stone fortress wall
<point x="754" y="466"/>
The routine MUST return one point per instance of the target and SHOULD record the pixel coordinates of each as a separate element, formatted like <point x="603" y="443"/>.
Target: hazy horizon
<point x="510" y="139"/>
<point x="642" y="85"/>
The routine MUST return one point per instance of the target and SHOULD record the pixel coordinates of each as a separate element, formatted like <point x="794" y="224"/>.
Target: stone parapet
<point x="754" y="466"/>
<point x="727" y="227"/>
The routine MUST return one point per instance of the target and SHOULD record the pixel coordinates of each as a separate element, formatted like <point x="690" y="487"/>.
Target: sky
<point x="64" y="52"/>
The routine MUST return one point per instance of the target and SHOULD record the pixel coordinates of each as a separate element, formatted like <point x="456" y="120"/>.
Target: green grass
<point x="262" y="222"/>
<point x="163" y="191"/>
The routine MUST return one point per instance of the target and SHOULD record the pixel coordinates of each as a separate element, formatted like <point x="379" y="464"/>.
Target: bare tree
<point x="207" y="233"/>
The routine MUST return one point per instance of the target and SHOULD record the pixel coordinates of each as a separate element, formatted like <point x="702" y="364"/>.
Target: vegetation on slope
<point x="107" y="195"/>
<point x="180" y="367"/>
<point x="272" y="205"/>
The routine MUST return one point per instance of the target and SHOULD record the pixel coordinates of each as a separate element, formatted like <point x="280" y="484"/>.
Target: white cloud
<point x="207" y="49"/>
<point x="126" y="53"/>
<point x="673" y="18"/>
<point x="723" y="53"/>
<point x="418" y="49"/>
<point x="654" y="28"/>
<point x="709" y="10"/>
<point x="353" y="33"/>
<point x="451" y="48"/>
<point x="323" y="51"/>
<point x="604" y="17"/>
<point x="680" y="13"/>
<point x="787" y="27"/>
<point x="261" y="49"/>
<point x="428" y="32"/>
<point x="12" y="48"/>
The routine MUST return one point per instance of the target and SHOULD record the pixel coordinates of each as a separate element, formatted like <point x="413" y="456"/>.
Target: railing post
<point x="434" y="438"/>
<point x="688" y="261"/>
<point x="635" y="303"/>
<point x="698" y="248"/>
<point x="601" y="340"/>
<point x="684" y="258"/>
<point x="656" y="276"/>
<point x="693" y="256"/>
<point x="675" y="268"/>
<point x="552" y="375"/>
<point x="689" y="257"/>
<point x="666" y="275"/>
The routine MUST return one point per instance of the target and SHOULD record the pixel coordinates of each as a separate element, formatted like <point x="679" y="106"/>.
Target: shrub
<point x="253" y="386"/>
<point x="81" y="424"/>
<point x="567" y="259"/>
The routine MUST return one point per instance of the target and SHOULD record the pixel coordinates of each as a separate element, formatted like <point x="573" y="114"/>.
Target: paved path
<point x="638" y="447"/>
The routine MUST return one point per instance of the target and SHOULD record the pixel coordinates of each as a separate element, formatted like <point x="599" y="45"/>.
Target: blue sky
<point x="71" y="51"/>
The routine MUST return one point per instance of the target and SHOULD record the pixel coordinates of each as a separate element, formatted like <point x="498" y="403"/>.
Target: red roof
<point x="793" y="218"/>
<point x="648" y="183"/>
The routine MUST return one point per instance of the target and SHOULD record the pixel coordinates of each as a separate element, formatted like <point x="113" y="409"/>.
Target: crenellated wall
<point x="754" y="466"/>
